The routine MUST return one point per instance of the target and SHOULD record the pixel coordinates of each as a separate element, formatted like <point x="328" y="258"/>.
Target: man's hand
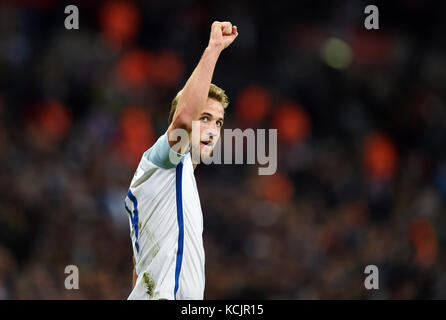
<point x="222" y="34"/>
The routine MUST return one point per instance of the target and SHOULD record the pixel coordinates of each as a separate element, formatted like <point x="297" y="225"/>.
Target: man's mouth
<point x="206" y="143"/>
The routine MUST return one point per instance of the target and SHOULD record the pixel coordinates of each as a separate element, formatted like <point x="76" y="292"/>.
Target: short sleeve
<point x="162" y="155"/>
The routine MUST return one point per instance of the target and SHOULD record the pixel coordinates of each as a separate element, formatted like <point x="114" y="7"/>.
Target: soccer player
<point x="166" y="221"/>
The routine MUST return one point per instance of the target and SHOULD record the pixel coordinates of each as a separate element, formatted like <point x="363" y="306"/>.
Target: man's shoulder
<point x="162" y="155"/>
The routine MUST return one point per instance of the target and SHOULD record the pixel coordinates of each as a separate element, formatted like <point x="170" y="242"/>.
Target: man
<point x="166" y="221"/>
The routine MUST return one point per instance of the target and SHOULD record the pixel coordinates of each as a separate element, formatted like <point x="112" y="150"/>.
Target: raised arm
<point x="195" y="93"/>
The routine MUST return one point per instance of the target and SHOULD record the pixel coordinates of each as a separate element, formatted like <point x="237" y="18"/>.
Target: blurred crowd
<point x="361" y="122"/>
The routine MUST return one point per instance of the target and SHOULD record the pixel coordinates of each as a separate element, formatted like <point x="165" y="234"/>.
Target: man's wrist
<point x="214" y="47"/>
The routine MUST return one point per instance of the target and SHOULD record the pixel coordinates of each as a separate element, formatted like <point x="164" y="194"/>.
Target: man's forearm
<point x="193" y="98"/>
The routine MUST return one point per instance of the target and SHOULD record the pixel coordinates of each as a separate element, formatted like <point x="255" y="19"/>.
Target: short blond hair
<point x="215" y="93"/>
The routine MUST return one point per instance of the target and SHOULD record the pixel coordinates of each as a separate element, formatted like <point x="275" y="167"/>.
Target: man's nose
<point x="213" y="130"/>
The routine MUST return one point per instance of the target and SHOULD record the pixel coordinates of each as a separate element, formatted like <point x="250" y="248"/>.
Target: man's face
<point x="211" y="122"/>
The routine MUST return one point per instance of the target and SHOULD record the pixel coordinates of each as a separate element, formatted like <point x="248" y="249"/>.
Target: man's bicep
<point x="179" y="134"/>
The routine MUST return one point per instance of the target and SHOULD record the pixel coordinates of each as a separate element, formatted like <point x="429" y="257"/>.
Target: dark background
<point x="361" y="122"/>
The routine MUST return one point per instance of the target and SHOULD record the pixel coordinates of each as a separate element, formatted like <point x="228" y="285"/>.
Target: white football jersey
<point x="166" y="226"/>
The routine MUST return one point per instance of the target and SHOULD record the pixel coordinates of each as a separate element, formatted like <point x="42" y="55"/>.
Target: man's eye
<point x="205" y="118"/>
<point x="219" y="123"/>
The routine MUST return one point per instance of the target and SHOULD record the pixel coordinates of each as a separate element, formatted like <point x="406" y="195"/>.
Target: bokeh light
<point x="275" y="188"/>
<point x="48" y="122"/>
<point x="336" y="53"/>
<point x="424" y="239"/>
<point x="380" y="156"/>
<point x="132" y="69"/>
<point x="136" y="134"/>
<point x="120" y="22"/>
<point x="167" y="69"/>
<point x="292" y="122"/>
<point x="252" y="105"/>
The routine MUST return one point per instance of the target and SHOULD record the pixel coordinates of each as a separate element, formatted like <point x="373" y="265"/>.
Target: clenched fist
<point x="222" y="34"/>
